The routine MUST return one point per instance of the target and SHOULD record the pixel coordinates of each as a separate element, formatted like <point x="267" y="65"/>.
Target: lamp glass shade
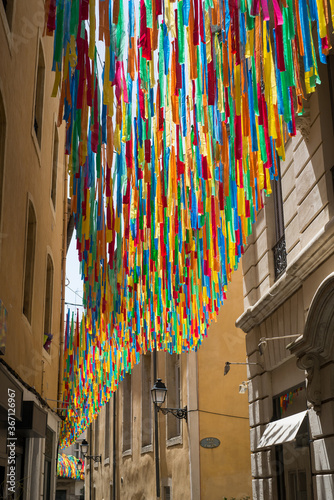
<point x="227" y="368"/>
<point x="84" y="447"/>
<point x="158" y="392"/>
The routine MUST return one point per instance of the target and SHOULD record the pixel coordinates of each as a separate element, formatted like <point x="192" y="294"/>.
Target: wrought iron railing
<point x="280" y="260"/>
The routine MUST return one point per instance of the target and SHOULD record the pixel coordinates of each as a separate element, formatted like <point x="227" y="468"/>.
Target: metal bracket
<point x="97" y="459"/>
<point x="179" y="413"/>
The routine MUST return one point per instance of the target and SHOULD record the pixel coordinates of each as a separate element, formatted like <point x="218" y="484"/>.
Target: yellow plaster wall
<point x="135" y="470"/>
<point x="225" y="471"/>
<point x="27" y="174"/>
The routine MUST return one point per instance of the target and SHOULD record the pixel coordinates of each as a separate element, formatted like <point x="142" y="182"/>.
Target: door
<point x="297" y="472"/>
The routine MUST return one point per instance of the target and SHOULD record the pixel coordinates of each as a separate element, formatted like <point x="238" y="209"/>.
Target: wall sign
<point x="210" y="442"/>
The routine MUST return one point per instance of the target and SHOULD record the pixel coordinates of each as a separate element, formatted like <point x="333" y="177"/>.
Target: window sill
<point x="174" y="441"/>
<point x="147" y="449"/>
<point x="53" y="210"/>
<point x="96" y="465"/>
<point x="127" y="453"/>
<point x="106" y="461"/>
<point x="38" y="148"/>
<point x="26" y="322"/>
<point x="47" y="355"/>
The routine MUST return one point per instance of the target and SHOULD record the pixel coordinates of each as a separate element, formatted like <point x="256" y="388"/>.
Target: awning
<point x="283" y="430"/>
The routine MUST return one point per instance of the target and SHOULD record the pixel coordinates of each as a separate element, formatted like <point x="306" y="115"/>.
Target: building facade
<point x="32" y="251"/>
<point x="288" y="315"/>
<point x="70" y="482"/>
<point x="146" y="455"/>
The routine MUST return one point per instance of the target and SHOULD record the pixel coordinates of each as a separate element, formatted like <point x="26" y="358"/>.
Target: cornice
<point x="307" y="261"/>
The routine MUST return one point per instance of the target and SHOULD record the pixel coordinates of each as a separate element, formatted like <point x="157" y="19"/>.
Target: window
<point x="280" y="261"/>
<point x="107" y="431"/>
<point x="48" y="463"/>
<point x="2" y="149"/>
<point x="127" y="413"/>
<point x="146" y="404"/>
<point x="167" y="493"/>
<point x="29" y="262"/>
<point x="54" y="168"/>
<point x="173" y="395"/>
<point x="39" y="95"/>
<point x="8" y="5"/>
<point x="96" y="436"/>
<point x="77" y="453"/>
<point x="297" y="484"/>
<point x="330" y="71"/>
<point x="48" y="305"/>
<point x="111" y="492"/>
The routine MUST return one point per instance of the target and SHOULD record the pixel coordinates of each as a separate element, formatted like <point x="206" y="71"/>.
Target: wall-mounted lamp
<point x="158" y="393"/>
<point x="79" y="465"/>
<point x="84" y="449"/>
<point x="228" y="367"/>
<point x="243" y="387"/>
<point x="96" y="458"/>
<point x="262" y="345"/>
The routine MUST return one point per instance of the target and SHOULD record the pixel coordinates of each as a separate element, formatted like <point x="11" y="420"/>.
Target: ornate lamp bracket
<point x="179" y="413"/>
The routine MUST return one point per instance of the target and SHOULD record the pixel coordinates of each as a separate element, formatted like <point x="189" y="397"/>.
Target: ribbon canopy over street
<point x="177" y="113"/>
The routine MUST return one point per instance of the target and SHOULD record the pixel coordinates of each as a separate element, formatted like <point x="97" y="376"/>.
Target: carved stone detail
<point x="303" y="124"/>
<point x="311" y="364"/>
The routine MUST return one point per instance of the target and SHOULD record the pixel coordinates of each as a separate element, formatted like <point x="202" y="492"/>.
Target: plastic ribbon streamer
<point x="67" y="467"/>
<point x="287" y="399"/>
<point x="176" y="113"/>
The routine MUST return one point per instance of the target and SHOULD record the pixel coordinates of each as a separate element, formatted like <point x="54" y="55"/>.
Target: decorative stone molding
<point x="311" y="364"/>
<point x="318" y="336"/>
<point x="299" y="269"/>
<point x="303" y="122"/>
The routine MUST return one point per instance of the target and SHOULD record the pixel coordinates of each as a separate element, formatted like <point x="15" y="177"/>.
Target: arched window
<point x="127" y="411"/>
<point x="8" y="5"/>
<point x="173" y="376"/>
<point x="280" y="257"/>
<point x="29" y="262"/>
<point x="48" y="305"/>
<point x="2" y="149"/>
<point x="39" y="95"/>
<point x="54" y="168"/>
<point x="146" y="403"/>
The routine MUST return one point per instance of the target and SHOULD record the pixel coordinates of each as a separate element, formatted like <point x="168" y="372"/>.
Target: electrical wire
<point x="220" y="414"/>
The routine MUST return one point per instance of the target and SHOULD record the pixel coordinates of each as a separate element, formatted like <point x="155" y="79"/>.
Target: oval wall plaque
<point x="210" y="442"/>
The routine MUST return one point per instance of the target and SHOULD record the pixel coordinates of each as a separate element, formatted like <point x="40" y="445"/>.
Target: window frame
<point x="54" y="169"/>
<point x="146" y="403"/>
<point x="49" y="286"/>
<point x="31" y="262"/>
<point x="176" y="400"/>
<point x="38" y="96"/>
<point x="127" y="450"/>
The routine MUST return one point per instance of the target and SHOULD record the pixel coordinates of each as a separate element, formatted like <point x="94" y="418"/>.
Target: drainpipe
<point x="114" y="448"/>
<point x="156" y="430"/>
<point x="63" y="279"/>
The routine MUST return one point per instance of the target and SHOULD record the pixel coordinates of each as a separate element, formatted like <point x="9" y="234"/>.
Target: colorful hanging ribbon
<point x="176" y="115"/>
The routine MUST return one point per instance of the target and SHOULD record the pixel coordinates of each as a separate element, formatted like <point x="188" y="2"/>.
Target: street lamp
<point x="158" y="393"/>
<point x="95" y="458"/>
<point x="228" y="367"/>
<point x="263" y="341"/>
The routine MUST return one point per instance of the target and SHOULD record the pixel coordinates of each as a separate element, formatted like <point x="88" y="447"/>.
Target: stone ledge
<point x="311" y="257"/>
